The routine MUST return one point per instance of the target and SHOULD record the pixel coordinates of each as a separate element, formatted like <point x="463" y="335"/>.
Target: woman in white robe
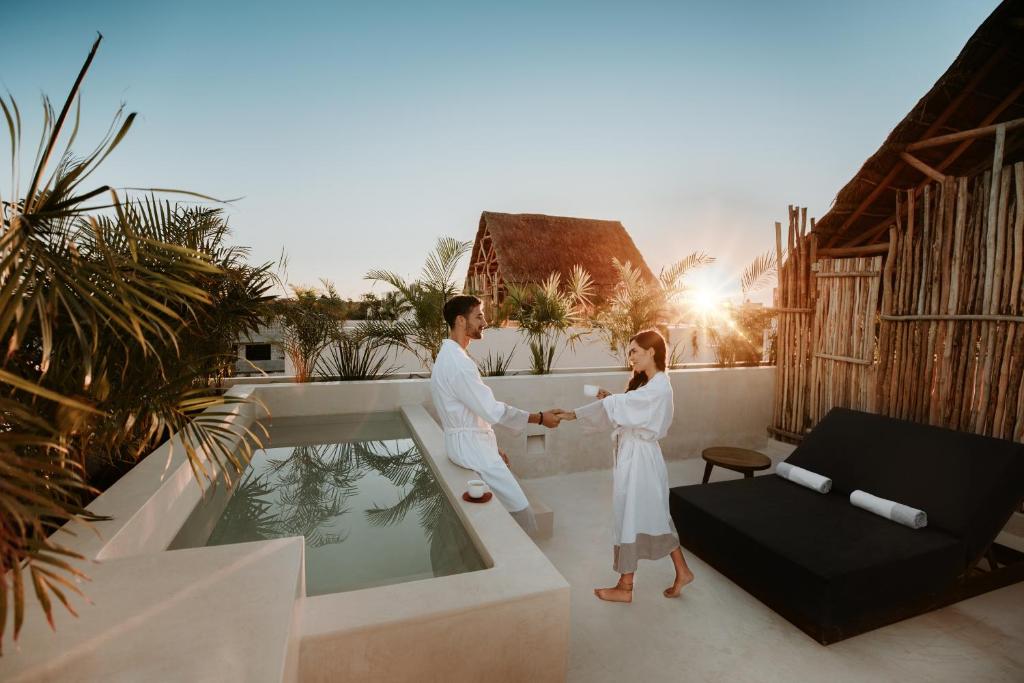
<point x="639" y="418"/>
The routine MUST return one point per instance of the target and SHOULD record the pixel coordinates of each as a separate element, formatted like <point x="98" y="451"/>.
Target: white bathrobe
<point x="467" y="409"/>
<point x="638" y="418"/>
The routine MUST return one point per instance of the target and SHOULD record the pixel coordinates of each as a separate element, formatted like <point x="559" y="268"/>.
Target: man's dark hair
<point x="459" y="305"/>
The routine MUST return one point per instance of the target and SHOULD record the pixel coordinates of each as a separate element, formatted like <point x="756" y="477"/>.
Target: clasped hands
<point x="556" y="416"/>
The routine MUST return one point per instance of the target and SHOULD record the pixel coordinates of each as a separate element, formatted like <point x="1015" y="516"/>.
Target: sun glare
<point x="706" y="302"/>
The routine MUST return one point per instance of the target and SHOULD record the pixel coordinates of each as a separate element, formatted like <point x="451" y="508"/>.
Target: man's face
<point x="475" y="323"/>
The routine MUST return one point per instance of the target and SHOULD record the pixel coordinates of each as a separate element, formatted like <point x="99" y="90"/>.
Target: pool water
<point x="361" y="494"/>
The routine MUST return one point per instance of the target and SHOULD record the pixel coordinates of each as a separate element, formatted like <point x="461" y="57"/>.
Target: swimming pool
<point x="358" y="490"/>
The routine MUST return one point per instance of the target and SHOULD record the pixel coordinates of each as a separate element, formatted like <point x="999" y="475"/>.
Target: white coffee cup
<point x="476" y="487"/>
<point x="590" y="390"/>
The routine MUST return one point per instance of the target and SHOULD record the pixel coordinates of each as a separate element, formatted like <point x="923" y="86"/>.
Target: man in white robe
<point x="467" y="409"/>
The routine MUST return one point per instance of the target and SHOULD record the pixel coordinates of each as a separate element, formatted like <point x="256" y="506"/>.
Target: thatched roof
<point x="984" y="85"/>
<point x="530" y="247"/>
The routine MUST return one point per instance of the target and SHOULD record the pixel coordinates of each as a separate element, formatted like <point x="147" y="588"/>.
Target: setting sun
<point x="705" y="302"/>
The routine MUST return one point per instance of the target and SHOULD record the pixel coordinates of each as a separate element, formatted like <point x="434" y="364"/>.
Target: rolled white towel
<point x="897" y="512"/>
<point x="798" y="475"/>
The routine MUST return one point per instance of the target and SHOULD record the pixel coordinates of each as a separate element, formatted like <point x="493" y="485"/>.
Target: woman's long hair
<point x="648" y="339"/>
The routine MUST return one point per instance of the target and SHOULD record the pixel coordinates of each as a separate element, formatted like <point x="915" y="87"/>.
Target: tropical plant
<point x="545" y="314"/>
<point x="738" y="338"/>
<point x="581" y="289"/>
<point x="758" y="274"/>
<point x="104" y="310"/>
<point x="637" y="304"/>
<point x="389" y="306"/>
<point x="736" y="332"/>
<point x="423" y="328"/>
<point x="309" y="321"/>
<point x="495" y="364"/>
<point x="351" y="356"/>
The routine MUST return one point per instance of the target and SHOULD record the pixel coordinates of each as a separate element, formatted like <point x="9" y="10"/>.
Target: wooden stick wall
<point x="795" y="306"/>
<point x="843" y="361"/>
<point x="951" y="336"/>
<point x="933" y="333"/>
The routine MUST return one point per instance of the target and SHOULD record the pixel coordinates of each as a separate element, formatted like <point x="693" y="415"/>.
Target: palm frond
<point x="116" y="315"/>
<point x="758" y="273"/>
<point x="672" y="276"/>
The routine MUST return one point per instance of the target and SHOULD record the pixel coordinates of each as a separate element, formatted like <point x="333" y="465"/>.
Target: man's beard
<point x="478" y="333"/>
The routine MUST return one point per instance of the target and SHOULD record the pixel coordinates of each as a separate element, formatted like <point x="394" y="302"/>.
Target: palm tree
<point x="309" y="320"/>
<point x="423" y="328"/>
<point x="736" y="331"/>
<point x="105" y="306"/>
<point x="389" y="306"/>
<point x="638" y="305"/>
<point x="545" y="313"/>
<point x="740" y="339"/>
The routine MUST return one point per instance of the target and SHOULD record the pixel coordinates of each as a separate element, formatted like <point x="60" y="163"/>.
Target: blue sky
<point x="358" y="133"/>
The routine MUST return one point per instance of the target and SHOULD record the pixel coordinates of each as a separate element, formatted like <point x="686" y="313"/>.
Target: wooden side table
<point x="741" y="460"/>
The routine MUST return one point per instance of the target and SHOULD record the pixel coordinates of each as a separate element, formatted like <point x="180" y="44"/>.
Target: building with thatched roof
<point x="525" y="248"/>
<point x="982" y="87"/>
<point x="907" y="297"/>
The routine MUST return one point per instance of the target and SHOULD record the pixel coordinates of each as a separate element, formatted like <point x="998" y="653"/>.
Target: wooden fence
<point x="934" y="333"/>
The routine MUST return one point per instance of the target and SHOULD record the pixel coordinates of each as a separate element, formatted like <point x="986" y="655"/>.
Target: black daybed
<point x="835" y="570"/>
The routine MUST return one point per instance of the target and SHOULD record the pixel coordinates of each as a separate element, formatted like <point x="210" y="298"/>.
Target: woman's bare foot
<point x="677" y="586"/>
<point x="620" y="592"/>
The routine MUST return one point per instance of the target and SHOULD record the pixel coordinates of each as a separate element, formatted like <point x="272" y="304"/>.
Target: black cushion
<point x="821" y="562"/>
<point x="966" y="483"/>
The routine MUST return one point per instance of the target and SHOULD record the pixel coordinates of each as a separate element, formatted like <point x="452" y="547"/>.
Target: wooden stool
<point x="741" y="460"/>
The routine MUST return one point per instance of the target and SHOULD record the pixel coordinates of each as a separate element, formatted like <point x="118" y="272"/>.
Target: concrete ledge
<point x="150" y="503"/>
<point x="208" y="614"/>
<point x="512" y="617"/>
<point x="544" y="515"/>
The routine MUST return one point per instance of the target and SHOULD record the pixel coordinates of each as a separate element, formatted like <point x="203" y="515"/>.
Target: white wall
<point x="590" y="351"/>
<point x="713" y="407"/>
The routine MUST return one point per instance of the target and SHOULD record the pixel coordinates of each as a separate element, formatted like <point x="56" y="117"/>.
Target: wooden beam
<point x="922" y="167"/>
<point x="960" y="317"/>
<point x="850" y="273"/>
<point x="979" y="75"/>
<point x="882" y="186"/>
<point x="953" y="156"/>
<point x="844" y="359"/>
<point x="993" y="115"/>
<point x="971" y="134"/>
<point x="783" y="433"/>
<point x="839" y="252"/>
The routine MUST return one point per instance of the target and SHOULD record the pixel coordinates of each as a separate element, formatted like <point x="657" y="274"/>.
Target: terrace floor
<point x="718" y="632"/>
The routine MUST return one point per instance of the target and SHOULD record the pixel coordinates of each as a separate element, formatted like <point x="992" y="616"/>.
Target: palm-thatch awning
<point x="527" y="248"/>
<point x="983" y="86"/>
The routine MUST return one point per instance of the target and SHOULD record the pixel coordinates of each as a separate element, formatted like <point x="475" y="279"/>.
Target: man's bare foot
<point x="620" y="592"/>
<point x="677" y="587"/>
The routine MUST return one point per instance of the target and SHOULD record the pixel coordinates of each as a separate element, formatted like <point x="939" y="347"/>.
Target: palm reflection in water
<point x="451" y="551"/>
<point x="309" y="494"/>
